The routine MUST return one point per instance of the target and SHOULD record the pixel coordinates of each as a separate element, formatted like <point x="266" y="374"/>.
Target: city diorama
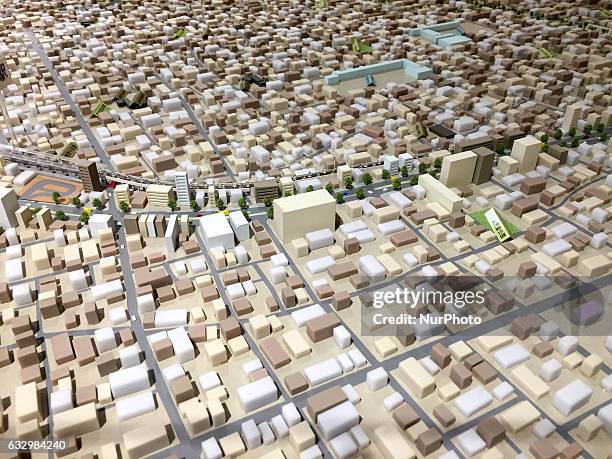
<point x="305" y="229"/>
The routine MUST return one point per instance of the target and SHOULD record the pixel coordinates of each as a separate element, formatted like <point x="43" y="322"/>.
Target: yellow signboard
<point x="497" y="225"/>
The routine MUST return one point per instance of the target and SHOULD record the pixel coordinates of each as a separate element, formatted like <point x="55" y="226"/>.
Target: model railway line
<point x="65" y="166"/>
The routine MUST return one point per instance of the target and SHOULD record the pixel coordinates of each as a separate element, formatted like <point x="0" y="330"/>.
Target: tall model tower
<point x="572" y="114"/>
<point x="8" y="208"/>
<point x="182" y="189"/>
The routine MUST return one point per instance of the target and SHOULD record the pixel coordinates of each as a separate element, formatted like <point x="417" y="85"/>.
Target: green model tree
<point x="56" y="197"/>
<point x="404" y="171"/>
<point x="194" y="206"/>
<point x="600" y="127"/>
<point x="309" y="188"/>
<point x="438" y="164"/>
<point x="572" y="132"/>
<point x="544" y="147"/>
<point x="76" y="202"/>
<point x="339" y="198"/>
<point x="367" y="179"/>
<point x="124" y="206"/>
<point x="60" y="215"/>
<point x="270" y="213"/>
<point x="422" y="168"/>
<point x="242" y="202"/>
<point x="544" y="138"/>
<point x="604" y="137"/>
<point x="359" y="193"/>
<point x="558" y="134"/>
<point x="220" y="205"/>
<point x="414" y="180"/>
<point x="396" y="184"/>
<point x="98" y="204"/>
<point x="500" y="149"/>
<point x="386" y="174"/>
<point x="575" y="142"/>
<point x="267" y="201"/>
<point x="348" y="183"/>
<point x="172" y="205"/>
<point x="587" y="130"/>
<point x="84" y="217"/>
<point x="563" y="144"/>
<point x="329" y="188"/>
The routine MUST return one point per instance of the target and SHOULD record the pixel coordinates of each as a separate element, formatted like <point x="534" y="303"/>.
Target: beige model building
<point x="507" y="165"/>
<point x="24" y="216"/>
<point x="76" y="421"/>
<point x="526" y="151"/>
<point x="159" y="195"/>
<point x="40" y="256"/>
<point x="294" y="216"/>
<point x="122" y="193"/>
<point x="458" y="169"/>
<point x="44" y="218"/>
<point x="572" y="115"/>
<point x="8" y="207"/>
<point x="440" y="193"/>
<point x="263" y="189"/>
<point x="286" y="185"/>
<point x="343" y="173"/>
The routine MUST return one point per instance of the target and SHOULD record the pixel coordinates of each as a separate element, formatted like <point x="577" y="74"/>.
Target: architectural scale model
<point x="300" y="229"/>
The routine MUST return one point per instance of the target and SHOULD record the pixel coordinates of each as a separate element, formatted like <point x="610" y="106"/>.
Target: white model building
<point x="99" y="222"/>
<point x="172" y="234"/>
<point x="216" y="231"/>
<point x="391" y="164"/>
<point x="240" y="225"/>
<point x="8" y="208"/>
<point x="181" y="182"/>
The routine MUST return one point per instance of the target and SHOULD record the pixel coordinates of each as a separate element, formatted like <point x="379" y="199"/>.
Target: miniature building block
<point x="76" y="421"/>
<point x="444" y="415"/>
<point x="301" y="436"/>
<point x="145" y="440"/>
<point x="484" y="372"/>
<point x="274" y="352"/>
<point x="519" y="416"/>
<point x="429" y="441"/>
<point x="491" y="431"/>
<point x="588" y="428"/>
<point x="591" y="365"/>
<point x="216" y="352"/>
<point x="390" y="441"/>
<point x="458" y="169"/>
<point x="257" y="394"/>
<point x="295" y="383"/>
<point x="448" y="391"/>
<point x="294" y="216"/>
<point x="461" y="376"/>
<point x="472" y="401"/>
<point x="230" y="328"/>
<point x="421" y="382"/>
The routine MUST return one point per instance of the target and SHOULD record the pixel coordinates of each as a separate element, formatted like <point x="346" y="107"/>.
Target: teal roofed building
<point x="411" y="69"/>
<point x="446" y="34"/>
